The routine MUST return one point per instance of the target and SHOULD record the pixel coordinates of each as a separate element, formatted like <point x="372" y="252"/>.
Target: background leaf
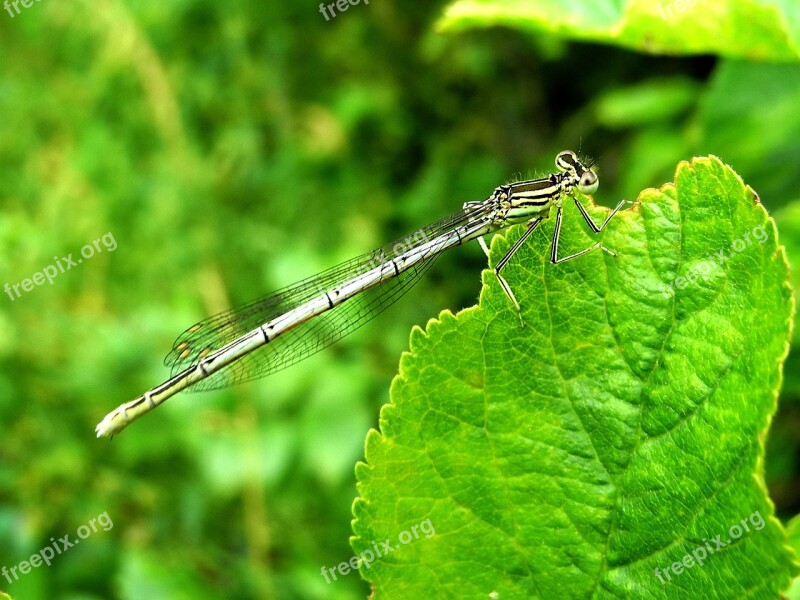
<point x="615" y="433"/>
<point x="733" y="28"/>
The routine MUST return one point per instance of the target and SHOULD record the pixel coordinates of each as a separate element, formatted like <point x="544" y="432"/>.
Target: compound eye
<point x="588" y="183"/>
<point x="566" y="160"/>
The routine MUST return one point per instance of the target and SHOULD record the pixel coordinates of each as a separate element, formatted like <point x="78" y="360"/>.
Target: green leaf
<point x="648" y="102"/>
<point x="614" y="434"/>
<point x="734" y="28"/>
<point x="756" y="134"/>
<point x="788" y="219"/>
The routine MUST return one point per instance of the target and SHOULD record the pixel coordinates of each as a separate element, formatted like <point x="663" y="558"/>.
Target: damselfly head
<point x="586" y="179"/>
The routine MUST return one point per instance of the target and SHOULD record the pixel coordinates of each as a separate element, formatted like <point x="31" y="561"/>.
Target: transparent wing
<point x="215" y="332"/>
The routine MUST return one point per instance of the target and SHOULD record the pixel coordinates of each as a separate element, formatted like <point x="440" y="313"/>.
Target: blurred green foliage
<point x="233" y="148"/>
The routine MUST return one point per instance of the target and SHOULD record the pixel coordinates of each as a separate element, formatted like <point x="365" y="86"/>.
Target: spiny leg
<point x="532" y="225"/>
<point x="557" y="236"/>
<point x="591" y="222"/>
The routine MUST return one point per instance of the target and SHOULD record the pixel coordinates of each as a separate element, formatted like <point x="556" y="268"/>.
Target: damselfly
<point x="305" y="317"/>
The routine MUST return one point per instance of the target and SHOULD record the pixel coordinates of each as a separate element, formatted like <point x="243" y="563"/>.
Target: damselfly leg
<point x="554" y="258"/>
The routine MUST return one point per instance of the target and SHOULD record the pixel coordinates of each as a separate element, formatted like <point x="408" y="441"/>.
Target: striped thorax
<point x="525" y="200"/>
